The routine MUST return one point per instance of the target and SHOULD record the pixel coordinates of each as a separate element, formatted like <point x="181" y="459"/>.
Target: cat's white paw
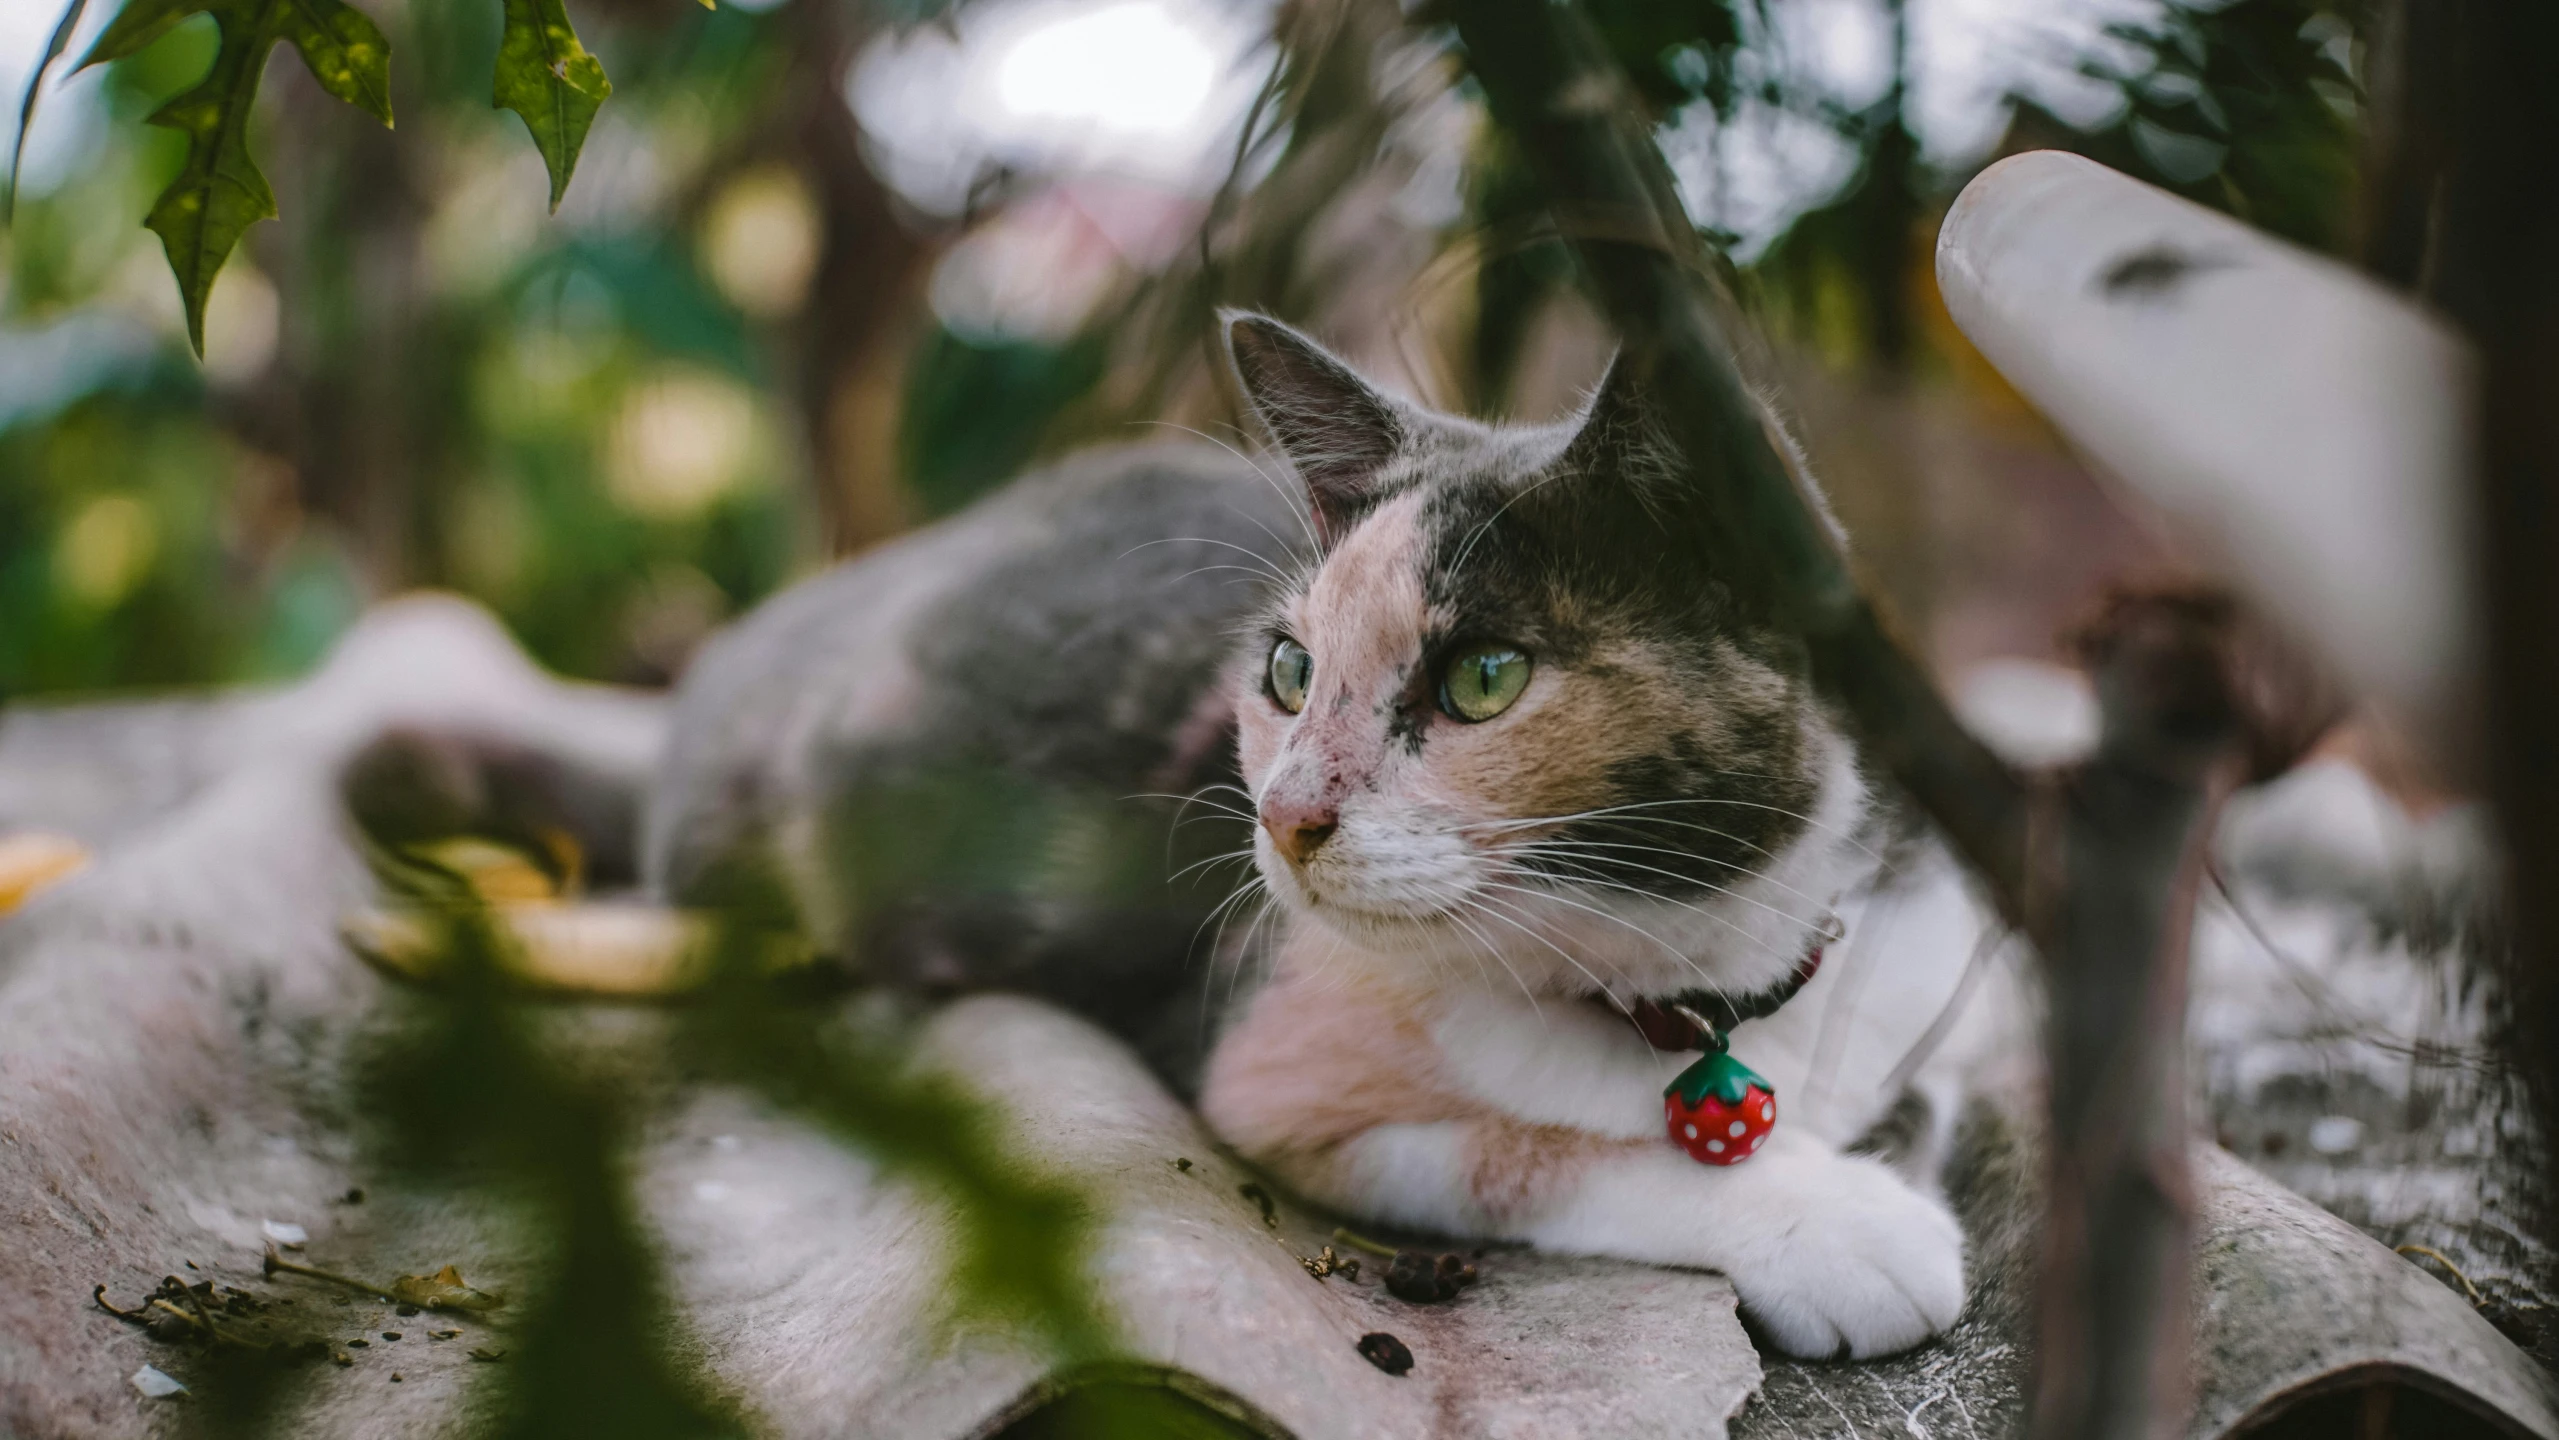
<point x="1865" y="1265"/>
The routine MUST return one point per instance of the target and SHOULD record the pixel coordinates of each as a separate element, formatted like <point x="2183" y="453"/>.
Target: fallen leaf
<point x="444" y="1290"/>
<point x="498" y="874"/>
<point x="30" y="860"/>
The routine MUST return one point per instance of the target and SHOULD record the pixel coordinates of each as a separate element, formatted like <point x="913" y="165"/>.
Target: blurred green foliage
<point x="420" y="376"/>
<point x="495" y="421"/>
<point x="416" y="379"/>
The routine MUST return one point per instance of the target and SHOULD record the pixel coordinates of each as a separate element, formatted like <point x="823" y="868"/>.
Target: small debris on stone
<point x="1427" y="1279"/>
<point x="1183" y="1164"/>
<point x="406" y="1311"/>
<point x="1325" y="1263"/>
<point x="487" y="1355"/>
<point x="156" y="1385"/>
<point x="341" y="1358"/>
<point x="354" y="1196"/>
<point x="1385" y="1352"/>
<point x="442" y="1334"/>
<point x="1252" y="1190"/>
<point x="395" y="1377"/>
<point x="390" y="1334"/>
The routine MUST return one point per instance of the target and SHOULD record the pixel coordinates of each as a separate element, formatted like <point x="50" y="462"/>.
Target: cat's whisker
<point x="1260" y="564"/>
<point x="1246" y="948"/>
<point x="1457" y="566"/>
<point x="1230" y="857"/>
<point x="1667" y="948"/>
<point x="1579" y="850"/>
<point x="1549" y="853"/>
<point x="1297" y="506"/>
<point x="1259" y="576"/>
<point x="1486" y="905"/>
<point x="1640" y="893"/>
<point x="1616" y="811"/>
<point x="1191" y="799"/>
<point x="1223" y="912"/>
<point x="1459" y="920"/>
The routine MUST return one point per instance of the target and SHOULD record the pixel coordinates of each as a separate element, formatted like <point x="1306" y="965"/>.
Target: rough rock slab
<point x="782" y="1245"/>
<point x="175" y="1033"/>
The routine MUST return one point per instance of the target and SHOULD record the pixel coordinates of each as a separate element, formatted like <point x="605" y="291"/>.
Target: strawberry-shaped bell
<point x="1719" y="1110"/>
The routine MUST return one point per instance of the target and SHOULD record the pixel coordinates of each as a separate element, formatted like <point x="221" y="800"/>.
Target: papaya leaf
<point x="345" y="51"/>
<point x="27" y="107"/>
<point x="546" y="76"/>
<point x="218" y="193"/>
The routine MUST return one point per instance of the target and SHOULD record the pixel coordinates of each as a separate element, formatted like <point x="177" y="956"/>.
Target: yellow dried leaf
<point x="498" y="874"/>
<point x="33" y="859"/>
<point x="444" y="1290"/>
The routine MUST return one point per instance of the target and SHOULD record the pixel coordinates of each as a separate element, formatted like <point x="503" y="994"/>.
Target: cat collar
<point x="1719" y="1110"/>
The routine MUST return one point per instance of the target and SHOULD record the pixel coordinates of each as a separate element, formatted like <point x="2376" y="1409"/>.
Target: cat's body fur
<point x="1060" y="641"/>
<point x="1433" y="1046"/>
<point x="1664" y="807"/>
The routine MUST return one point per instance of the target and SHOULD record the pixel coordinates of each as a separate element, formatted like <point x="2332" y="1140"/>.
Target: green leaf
<point x="219" y="193"/>
<point x="138" y="24"/>
<point x="547" y="77"/>
<point x="27" y="107"/>
<point x="345" y="52"/>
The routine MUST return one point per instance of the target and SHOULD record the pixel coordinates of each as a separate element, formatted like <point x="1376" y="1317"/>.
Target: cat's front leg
<point x="1831" y="1253"/>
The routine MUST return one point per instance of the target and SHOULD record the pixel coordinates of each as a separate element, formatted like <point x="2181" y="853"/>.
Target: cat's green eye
<point x="1292" y="670"/>
<point x="1482" y="681"/>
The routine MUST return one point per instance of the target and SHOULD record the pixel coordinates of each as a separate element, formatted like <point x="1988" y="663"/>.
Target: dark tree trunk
<point x="2500" y="277"/>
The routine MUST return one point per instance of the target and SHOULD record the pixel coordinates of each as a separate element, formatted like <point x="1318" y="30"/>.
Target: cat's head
<point x="1507" y="721"/>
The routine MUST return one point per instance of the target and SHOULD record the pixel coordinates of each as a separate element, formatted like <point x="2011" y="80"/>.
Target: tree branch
<point x="1553" y="87"/>
<point x="2098" y="864"/>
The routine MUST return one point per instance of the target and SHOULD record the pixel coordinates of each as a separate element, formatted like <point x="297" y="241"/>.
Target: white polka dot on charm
<point x="1715" y="1145"/>
<point x="1692" y="1132"/>
<point x="1767" y="1109"/>
<point x="1737" y="1129"/>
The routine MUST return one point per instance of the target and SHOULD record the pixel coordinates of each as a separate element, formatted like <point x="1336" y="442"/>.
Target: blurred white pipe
<point x="2309" y="429"/>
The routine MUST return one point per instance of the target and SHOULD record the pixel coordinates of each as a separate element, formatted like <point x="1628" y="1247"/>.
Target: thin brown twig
<point x="276" y="1264"/>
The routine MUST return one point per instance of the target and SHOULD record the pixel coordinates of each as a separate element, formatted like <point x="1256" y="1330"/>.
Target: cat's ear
<point x="1622" y="442"/>
<point x="1337" y="430"/>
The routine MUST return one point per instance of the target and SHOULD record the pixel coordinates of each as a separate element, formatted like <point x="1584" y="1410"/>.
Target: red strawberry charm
<point x="1719" y="1110"/>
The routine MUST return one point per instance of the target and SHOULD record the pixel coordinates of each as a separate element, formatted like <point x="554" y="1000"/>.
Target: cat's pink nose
<point x="1299" y="830"/>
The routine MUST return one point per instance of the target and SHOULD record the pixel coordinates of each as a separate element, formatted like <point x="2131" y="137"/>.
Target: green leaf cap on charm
<point x="1715" y="1074"/>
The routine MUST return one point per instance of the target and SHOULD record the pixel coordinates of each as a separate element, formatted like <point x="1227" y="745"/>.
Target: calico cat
<point x="984" y="756"/>
<point x="1523" y="783"/>
<point x="1527" y="777"/>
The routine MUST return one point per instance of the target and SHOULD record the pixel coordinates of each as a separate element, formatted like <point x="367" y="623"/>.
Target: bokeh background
<point x="829" y="268"/>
